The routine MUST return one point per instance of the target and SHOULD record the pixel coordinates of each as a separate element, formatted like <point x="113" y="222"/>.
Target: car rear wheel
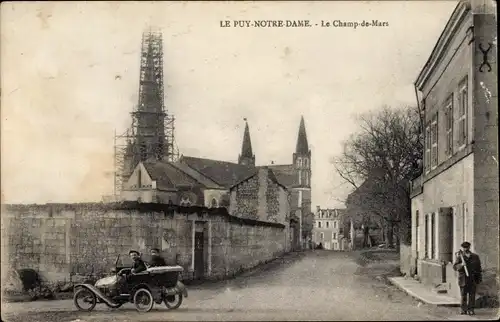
<point x="84" y="300"/>
<point x="143" y="300"/>
<point x="173" y="301"/>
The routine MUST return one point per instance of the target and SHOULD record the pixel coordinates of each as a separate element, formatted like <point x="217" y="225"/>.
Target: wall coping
<point x="140" y="207"/>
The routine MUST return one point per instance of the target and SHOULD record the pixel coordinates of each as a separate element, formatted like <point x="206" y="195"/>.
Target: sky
<point x="62" y="102"/>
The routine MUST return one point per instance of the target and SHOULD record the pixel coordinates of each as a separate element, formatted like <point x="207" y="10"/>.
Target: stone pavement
<point x="322" y="285"/>
<point x="423" y="293"/>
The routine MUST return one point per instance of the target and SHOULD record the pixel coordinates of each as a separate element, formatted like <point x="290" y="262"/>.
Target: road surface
<point x="321" y="285"/>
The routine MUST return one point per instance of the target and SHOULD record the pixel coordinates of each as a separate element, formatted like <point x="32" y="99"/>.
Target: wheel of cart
<point x="143" y="300"/>
<point x="84" y="299"/>
<point x="173" y="301"/>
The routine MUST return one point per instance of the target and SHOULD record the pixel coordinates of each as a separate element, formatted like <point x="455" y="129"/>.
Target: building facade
<point x="328" y="228"/>
<point x="456" y="197"/>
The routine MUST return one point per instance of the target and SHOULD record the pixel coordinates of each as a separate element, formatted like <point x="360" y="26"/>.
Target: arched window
<point x="214" y="203"/>
<point x="306" y="162"/>
<point x="185" y="203"/>
<point x="299" y="162"/>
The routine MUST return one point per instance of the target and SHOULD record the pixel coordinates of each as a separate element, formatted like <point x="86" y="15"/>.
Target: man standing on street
<point x="468" y="266"/>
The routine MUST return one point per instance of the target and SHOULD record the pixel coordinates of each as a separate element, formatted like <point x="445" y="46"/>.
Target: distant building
<point x="328" y="228"/>
<point x="456" y="197"/>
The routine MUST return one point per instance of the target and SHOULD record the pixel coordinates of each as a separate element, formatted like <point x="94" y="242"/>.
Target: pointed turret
<point x="302" y="145"/>
<point x="302" y="157"/>
<point x="246" y="157"/>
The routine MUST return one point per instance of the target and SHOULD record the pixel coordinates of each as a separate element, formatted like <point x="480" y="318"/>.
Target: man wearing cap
<point x="468" y="266"/>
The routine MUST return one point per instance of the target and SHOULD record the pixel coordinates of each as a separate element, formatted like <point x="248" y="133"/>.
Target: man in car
<point x="156" y="259"/>
<point x="139" y="265"/>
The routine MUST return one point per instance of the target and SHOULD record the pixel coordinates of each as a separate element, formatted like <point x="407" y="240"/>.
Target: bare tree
<point x="379" y="161"/>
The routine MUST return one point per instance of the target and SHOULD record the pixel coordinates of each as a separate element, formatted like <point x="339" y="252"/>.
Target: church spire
<point x="247" y="157"/>
<point x="302" y="145"/>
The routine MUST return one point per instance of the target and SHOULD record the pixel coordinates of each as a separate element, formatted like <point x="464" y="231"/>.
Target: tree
<point x="379" y="161"/>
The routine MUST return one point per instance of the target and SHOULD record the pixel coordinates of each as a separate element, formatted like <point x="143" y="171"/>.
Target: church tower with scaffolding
<point x="151" y="135"/>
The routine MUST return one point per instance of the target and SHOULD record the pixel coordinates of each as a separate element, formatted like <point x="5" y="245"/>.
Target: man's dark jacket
<point x="139" y="266"/>
<point x="157" y="261"/>
<point x="474" y="268"/>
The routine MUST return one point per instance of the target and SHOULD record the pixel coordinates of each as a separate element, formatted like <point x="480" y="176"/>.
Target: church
<point x="193" y="181"/>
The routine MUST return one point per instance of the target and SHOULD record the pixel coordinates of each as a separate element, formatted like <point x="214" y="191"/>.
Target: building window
<point x="426" y="237"/>
<point x="433" y="236"/>
<point x="463" y="107"/>
<point x="319" y="224"/>
<point x="334" y="224"/>
<point x="306" y="178"/>
<point x="427" y="161"/>
<point x="449" y="125"/>
<point x="214" y="203"/>
<point x="454" y="230"/>
<point x="417" y="215"/>
<point x="139" y="178"/>
<point x="306" y="163"/>
<point x="434" y="141"/>
<point x="464" y="221"/>
<point x="322" y="236"/>
<point x="299" y="162"/>
<point x="334" y="236"/>
<point x="327" y="224"/>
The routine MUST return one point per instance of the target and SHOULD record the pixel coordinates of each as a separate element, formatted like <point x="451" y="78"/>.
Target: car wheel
<point x="84" y="300"/>
<point x="173" y="301"/>
<point x="143" y="300"/>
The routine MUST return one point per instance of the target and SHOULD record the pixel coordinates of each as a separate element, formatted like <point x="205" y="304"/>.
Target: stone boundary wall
<point x="64" y="240"/>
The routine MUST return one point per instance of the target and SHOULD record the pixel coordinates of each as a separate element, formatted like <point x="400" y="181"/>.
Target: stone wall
<point x="486" y="180"/>
<point x="63" y="240"/>
<point x="246" y="198"/>
<point x="260" y="198"/>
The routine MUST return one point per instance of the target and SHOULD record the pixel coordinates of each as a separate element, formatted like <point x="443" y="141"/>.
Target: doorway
<point x="199" y="265"/>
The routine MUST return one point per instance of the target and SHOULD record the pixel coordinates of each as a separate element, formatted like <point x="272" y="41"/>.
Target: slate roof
<point x="302" y="145"/>
<point x="246" y="147"/>
<point x="167" y="176"/>
<point x="203" y="180"/>
<point x="285" y="174"/>
<point x="271" y="175"/>
<point x="223" y="173"/>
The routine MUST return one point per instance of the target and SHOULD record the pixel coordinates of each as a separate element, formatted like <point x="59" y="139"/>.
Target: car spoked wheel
<point x="85" y="300"/>
<point x="143" y="300"/>
<point x="173" y="301"/>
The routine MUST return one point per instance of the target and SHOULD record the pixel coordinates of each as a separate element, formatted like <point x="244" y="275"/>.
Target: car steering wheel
<point x="123" y="271"/>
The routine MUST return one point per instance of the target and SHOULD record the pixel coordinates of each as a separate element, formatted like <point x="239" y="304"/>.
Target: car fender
<point x="101" y="296"/>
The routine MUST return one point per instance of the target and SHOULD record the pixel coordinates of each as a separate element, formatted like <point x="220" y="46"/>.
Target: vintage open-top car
<point x="155" y="285"/>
